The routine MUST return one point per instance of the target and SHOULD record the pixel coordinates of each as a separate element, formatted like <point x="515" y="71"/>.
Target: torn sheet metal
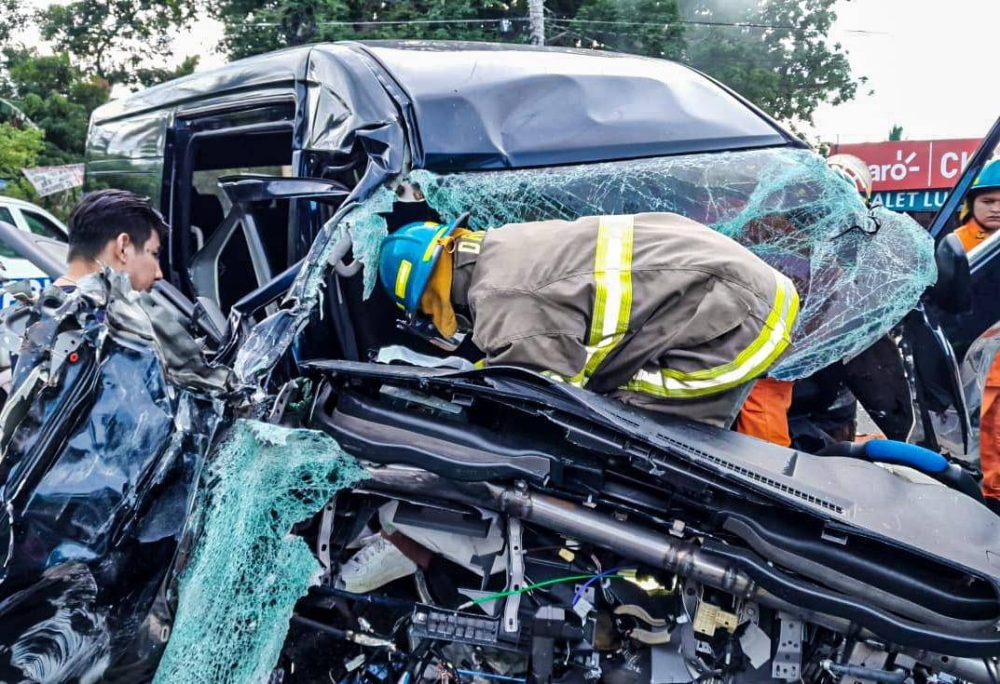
<point x="361" y="222"/>
<point x="246" y="573"/>
<point x="101" y="457"/>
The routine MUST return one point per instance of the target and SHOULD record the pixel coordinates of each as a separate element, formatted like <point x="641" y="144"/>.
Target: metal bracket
<point x="65" y="344"/>
<point x="788" y="658"/>
<point x="515" y="571"/>
<point x="323" y="539"/>
<point x="281" y="401"/>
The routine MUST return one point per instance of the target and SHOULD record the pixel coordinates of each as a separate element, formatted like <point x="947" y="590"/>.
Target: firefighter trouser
<point x="715" y="409"/>
<point x="765" y="413"/>
<point x="989" y="432"/>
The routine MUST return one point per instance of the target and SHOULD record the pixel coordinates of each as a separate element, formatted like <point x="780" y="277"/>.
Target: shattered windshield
<point x="858" y="270"/>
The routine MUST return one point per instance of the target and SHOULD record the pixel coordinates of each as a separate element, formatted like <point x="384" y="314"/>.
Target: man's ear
<point x="122" y="243"/>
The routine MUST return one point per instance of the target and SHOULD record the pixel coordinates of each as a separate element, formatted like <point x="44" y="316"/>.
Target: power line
<point x="377" y="22"/>
<point x="560" y="25"/>
<point x="667" y="24"/>
<point x="521" y="20"/>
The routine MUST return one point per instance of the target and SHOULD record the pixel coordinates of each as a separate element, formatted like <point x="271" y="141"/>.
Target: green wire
<point x="539" y="585"/>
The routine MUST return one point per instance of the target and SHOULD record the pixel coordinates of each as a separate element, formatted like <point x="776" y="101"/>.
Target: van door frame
<point x="185" y="130"/>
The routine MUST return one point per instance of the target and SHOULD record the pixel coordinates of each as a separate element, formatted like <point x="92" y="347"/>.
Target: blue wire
<point x="488" y="675"/>
<point x="583" y="587"/>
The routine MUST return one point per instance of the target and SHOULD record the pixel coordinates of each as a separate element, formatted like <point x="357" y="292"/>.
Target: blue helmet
<point x="407" y="259"/>
<point x="988" y="178"/>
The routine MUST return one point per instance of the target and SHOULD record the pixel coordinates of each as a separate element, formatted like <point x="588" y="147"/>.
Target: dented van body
<point x="195" y="522"/>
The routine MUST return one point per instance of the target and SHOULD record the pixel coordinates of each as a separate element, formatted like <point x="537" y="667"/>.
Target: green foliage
<point x="253" y="27"/>
<point x="13" y="15"/>
<point x="643" y="27"/>
<point x="57" y="97"/>
<point x="19" y="147"/>
<point x="773" y="52"/>
<point x="895" y="133"/>
<point x="151" y="76"/>
<point x="114" y="39"/>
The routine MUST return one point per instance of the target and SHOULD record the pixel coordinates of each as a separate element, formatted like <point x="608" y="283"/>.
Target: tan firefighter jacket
<point x="651" y="303"/>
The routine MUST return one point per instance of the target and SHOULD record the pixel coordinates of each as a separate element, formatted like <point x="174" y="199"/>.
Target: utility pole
<point x="536" y="16"/>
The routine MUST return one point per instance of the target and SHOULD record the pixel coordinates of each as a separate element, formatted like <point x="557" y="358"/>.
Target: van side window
<point x="41" y="226"/>
<point x="5" y="251"/>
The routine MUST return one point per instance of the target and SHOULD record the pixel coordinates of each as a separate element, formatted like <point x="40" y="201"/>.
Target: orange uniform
<point x="972" y="234"/>
<point x="989" y="432"/>
<point x="765" y="412"/>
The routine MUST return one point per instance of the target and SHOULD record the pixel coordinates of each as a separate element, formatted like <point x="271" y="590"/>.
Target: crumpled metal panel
<point x="481" y="106"/>
<point x="272" y="337"/>
<point x="101" y="457"/>
<point x="858" y="271"/>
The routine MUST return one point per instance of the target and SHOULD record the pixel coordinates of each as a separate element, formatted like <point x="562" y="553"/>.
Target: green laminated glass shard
<point x="247" y="571"/>
<point x="858" y="271"/>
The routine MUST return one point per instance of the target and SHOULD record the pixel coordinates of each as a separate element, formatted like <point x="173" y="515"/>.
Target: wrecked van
<point x="328" y="498"/>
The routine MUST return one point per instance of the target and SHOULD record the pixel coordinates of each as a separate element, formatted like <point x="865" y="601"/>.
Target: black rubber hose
<point x="915" y="587"/>
<point x="847" y="584"/>
<point x="889" y="627"/>
<point x="320" y="626"/>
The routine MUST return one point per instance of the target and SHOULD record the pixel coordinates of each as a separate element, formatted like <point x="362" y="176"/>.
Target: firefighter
<point x="654" y="309"/>
<point x="981" y="209"/>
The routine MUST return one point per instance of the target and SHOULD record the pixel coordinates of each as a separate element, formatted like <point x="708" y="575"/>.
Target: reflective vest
<point x="651" y="303"/>
<point x="972" y="234"/>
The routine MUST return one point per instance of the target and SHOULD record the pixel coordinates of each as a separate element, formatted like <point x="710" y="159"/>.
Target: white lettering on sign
<point x="951" y="165"/>
<point x="897" y="171"/>
<point x="912" y="200"/>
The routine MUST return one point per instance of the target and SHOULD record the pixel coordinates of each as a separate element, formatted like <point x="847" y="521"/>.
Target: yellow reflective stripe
<point x="576" y="380"/>
<point x="596" y="355"/>
<point x="613" y="290"/>
<point x="402" y="275"/>
<point x="774" y="321"/>
<point x="429" y="252"/>
<point x="751" y="362"/>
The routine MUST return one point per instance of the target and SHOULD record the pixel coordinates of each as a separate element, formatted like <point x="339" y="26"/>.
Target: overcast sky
<point x="930" y="65"/>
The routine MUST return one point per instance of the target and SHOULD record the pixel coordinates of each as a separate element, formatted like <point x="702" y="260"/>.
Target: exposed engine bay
<point x="470" y="556"/>
<point x="541" y="607"/>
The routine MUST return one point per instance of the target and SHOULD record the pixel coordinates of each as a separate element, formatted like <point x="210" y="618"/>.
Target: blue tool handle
<point x="901" y="453"/>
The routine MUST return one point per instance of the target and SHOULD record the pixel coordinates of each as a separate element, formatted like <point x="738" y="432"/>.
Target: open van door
<point x="960" y="307"/>
<point x="963" y="324"/>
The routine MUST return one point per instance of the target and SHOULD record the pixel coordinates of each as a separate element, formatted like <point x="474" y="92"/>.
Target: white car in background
<point x="40" y="226"/>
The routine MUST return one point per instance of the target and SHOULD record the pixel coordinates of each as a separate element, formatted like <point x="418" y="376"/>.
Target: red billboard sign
<point x="913" y="164"/>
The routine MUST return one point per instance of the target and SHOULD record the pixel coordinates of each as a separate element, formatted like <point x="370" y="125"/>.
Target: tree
<point x="13" y="15"/>
<point x="19" y="148"/>
<point x="57" y="97"/>
<point x="643" y="27"/>
<point x="150" y="76"/>
<point x="114" y="39"/>
<point x="895" y="133"/>
<point x="255" y="26"/>
<point x="773" y="52"/>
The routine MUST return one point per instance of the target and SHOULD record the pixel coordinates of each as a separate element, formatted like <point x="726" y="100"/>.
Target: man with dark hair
<point x="117" y="229"/>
